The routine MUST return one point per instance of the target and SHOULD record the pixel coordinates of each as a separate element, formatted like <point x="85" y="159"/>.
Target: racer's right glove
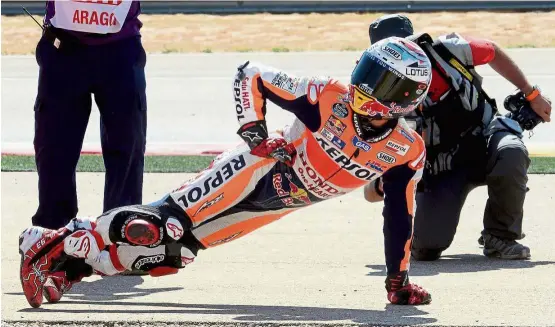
<point x="255" y="135"/>
<point x="401" y="291"/>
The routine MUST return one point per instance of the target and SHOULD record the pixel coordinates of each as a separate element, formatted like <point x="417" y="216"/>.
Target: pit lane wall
<point x="11" y="7"/>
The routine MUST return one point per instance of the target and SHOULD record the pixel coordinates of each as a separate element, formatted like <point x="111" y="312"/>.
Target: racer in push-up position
<point x="343" y="138"/>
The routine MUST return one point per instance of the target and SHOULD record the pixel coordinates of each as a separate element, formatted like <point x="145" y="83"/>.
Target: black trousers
<point x="68" y="77"/>
<point x="439" y="205"/>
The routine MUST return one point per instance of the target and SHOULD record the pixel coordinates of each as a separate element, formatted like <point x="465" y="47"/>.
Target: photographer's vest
<point x="457" y="120"/>
<point x="91" y="16"/>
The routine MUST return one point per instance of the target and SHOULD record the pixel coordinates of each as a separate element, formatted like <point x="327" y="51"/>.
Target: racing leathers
<point x="332" y="153"/>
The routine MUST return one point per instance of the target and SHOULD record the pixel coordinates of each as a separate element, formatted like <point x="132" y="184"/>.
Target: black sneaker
<point x="504" y="249"/>
<point x="481" y="239"/>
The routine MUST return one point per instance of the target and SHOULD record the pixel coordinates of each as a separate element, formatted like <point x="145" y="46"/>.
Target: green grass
<point x="280" y="49"/>
<point x="542" y="165"/>
<point x="192" y="164"/>
<point x="94" y="163"/>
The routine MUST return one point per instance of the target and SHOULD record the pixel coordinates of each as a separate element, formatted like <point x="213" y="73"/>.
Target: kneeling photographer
<point x="468" y="142"/>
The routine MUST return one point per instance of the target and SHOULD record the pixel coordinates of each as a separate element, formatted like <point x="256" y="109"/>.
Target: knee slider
<point x="135" y="225"/>
<point x="144" y="226"/>
<point x="141" y="232"/>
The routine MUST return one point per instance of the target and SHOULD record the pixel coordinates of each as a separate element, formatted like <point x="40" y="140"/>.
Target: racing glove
<point x="255" y="135"/>
<point x="401" y="291"/>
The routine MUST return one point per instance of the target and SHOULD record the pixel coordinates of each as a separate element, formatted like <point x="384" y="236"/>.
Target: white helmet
<point x="390" y="80"/>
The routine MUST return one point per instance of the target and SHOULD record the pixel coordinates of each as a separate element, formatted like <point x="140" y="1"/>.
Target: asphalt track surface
<point x="322" y="265"/>
<point x="190" y="102"/>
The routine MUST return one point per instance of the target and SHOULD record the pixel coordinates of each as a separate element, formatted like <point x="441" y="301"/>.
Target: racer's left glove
<point x="401" y="291"/>
<point x="255" y="135"/>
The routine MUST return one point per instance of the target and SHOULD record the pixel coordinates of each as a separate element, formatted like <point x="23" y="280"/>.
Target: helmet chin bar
<point x="370" y="132"/>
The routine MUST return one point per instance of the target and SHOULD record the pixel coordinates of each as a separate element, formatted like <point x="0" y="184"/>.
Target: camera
<point x="520" y="110"/>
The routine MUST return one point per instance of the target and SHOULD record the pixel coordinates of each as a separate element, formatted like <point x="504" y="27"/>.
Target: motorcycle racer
<point x="343" y="137"/>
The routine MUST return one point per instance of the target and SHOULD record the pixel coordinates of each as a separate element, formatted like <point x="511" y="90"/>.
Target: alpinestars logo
<point x="79" y="244"/>
<point x="252" y="136"/>
<point x="226" y="239"/>
<point x="210" y="203"/>
<point x="174" y="228"/>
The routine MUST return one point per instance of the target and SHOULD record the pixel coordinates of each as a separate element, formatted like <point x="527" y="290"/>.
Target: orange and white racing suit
<point x="239" y="192"/>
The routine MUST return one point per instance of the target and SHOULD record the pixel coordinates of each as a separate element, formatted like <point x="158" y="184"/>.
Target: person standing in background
<point x="89" y="48"/>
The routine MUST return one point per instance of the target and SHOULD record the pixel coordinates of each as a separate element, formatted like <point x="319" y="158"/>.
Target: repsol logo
<point x="213" y="181"/>
<point x="241" y="96"/>
<point x="355" y="169"/>
<point x="401" y="149"/>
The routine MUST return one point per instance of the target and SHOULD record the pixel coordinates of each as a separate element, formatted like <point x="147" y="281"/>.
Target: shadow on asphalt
<point x="399" y="315"/>
<point x="111" y="288"/>
<point x="460" y="263"/>
<point x="114" y="288"/>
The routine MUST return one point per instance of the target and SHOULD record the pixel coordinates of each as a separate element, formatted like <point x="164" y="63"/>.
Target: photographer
<point x="468" y="142"/>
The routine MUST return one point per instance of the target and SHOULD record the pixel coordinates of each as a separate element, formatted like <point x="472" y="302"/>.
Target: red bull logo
<point x="296" y="192"/>
<point x="374" y="108"/>
<point x="335" y="125"/>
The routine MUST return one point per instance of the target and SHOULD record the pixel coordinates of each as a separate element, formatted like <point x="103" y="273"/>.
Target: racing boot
<point x="83" y="254"/>
<point x="504" y="248"/>
<point x="401" y="291"/>
<point x="69" y="273"/>
<point x="40" y="249"/>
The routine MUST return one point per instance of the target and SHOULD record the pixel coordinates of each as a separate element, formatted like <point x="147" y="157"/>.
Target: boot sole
<point x="496" y="254"/>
